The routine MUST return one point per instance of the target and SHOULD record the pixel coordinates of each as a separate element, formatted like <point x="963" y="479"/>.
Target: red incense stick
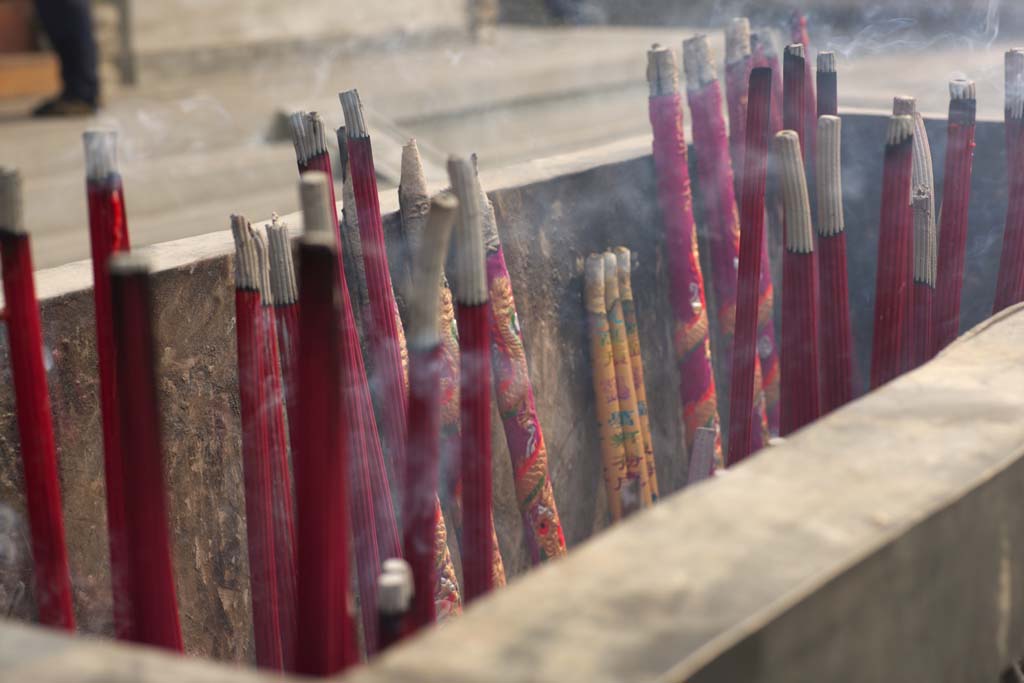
<point x="890" y="348"/>
<point x="35" y="421"/>
<point x="153" y="600"/>
<point x="798" y="34"/>
<point x="420" y="500"/>
<point x="394" y="591"/>
<point x="256" y="448"/>
<point x="752" y="180"/>
<point x="468" y="274"/>
<point x="956" y="188"/>
<point x="794" y="92"/>
<point x="835" y="332"/>
<point x="285" y="294"/>
<point x="108" y="234"/>
<point x="1010" y="281"/>
<point x="765" y="54"/>
<point x="326" y="636"/>
<point x="692" y="343"/>
<point x="738" y="63"/>
<point x="828" y="87"/>
<point x="800" y="401"/>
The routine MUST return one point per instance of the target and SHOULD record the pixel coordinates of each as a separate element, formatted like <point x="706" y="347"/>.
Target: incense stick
<point x="765" y="54"/>
<point x="395" y="592"/>
<point x="32" y="408"/>
<point x="798" y="34"/>
<point x="800" y="400"/>
<point x="956" y="188"/>
<point x="691" y="339"/>
<point x="108" y="234"/>
<point x="827" y="81"/>
<point x="351" y="243"/>
<point x="606" y="398"/>
<point x="836" y="332"/>
<point x="326" y="635"/>
<point x="468" y="273"/>
<point x="154" y="608"/>
<point x="1010" y="281"/>
<point x="890" y="347"/>
<point x="285" y="292"/>
<point x="753" y="180"/>
<point x="738" y="63"/>
<point x="420" y="500"/>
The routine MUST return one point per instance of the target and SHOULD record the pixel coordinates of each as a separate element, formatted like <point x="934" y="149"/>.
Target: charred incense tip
<point x="11" y="217"/>
<point x="828" y="165"/>
<point x="100" y="154"/>
<point x="424" y="329"/>
<point x="962" y="89"/>
<point x="611" y="279"/>
<point x="467" y="270"/>
<point x="698" y="62"/>
<point x="1015" y="83"/>
<point x="761" y="42"/>
<point x="904" y="105"/>
<point x="315" y="198"/>
<point x="283" y="285"/>
<point x="128" y="264"/>
<point x="352" y="107"/>
<point x="826" y="62"/>
<point x="594" y="284"/>
<point x="308" y="135"/>
<point x="341" y="138"/>
<point x="737" y="40"/>
<point x="795" y="51"/>
<point x="489" y="221"/>
<point x="262" y="268"/>
<point x="248" y="275"/>
<point x="925" y="240"/>
<point x="799" y="230"/>
<point x="624" y="263"/>
<point x="662" y="72"/>
<point x="901" y="129"/>
<point x="413" y="200"/>
<point x="394" y="588"/>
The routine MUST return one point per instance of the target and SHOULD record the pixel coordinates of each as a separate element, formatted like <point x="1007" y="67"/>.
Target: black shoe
<point x="64" y="105"/>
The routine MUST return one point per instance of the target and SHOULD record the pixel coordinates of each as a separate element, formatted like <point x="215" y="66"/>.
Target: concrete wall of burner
<point x="550" y="219"/>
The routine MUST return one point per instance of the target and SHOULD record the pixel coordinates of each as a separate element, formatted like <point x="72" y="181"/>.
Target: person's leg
<point x="68" y="23"/>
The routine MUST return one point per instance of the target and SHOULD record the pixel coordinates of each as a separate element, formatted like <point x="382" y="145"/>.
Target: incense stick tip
<point x="314" y="196"/>
<point x="308" y="136"/>
<point x="467" y="268"/>
<point x="737" y="40"/>
<point x="611" y="278"/>
<point x="904" y="105"/>
<point x="352" y="107"/>
<point x="424" y="324"/>
<point x="593" y="281"/>
<point x="795" y="51"/>
<point x="128" y="264"/>
<point x="395" y="587"/>
<point x="100" y="154"/>
<point x="962" y="89"/>
<point x="698" y="62"/>
<point x="829" y="176"/>
<point x="283" y="285"/>
<point x="799" y="230"/>
<point x="624" y="268"/>
<point x="826" y="62"/>
<point x="901" y="129"/>
<point x="11" y="211"/>
<point x="662" y="72"/>
<point x="1015" y="83"/>
<point x="925" y="240"/>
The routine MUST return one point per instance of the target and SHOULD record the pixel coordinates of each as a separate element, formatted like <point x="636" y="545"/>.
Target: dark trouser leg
<point x="68" y="23"/>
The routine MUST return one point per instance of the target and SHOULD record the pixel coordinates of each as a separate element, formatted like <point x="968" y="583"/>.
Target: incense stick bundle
<point x="624" y="271"/>
<point x="1010" y="281"/>
<point x="836" y="333"/>
<point x="956" y="188"/>
<point x="326" y="636"/>
<point x="395" y="593"/>
<point x="691" y="339"/>
<point x="420" y="499"/>
<point x="285" y="293"/>
<point x="828" y="90"/>
<point x="606" y="397"/>
<point x="256" y="447"/>
<point x="468" y="274"/>
<point x="154" y="608"/>
<point x="798" y="34"/>
<point x="753" y="181"/>
<point x="891" y="343"/>
<point x="524" y="436"/>
<point x="351" y="244"/>
<point x="800" y="400"/>
<point x="385" y="330"/>
<point x="108" y="234"/>
<point x="765" y="54"/>
<point x="32" y="407"/>
<point x="738" y="63"/>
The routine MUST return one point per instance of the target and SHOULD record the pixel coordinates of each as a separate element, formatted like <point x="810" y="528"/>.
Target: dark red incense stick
<point x="800" y="401"/>
<point x="326" y="636"/>
<point x="798" y="34"/>
<point x="836" y="352"/>
<point x="765" y="54"/>
<point x="394" y="591"/>
<point x="35" y="421"/>
<point x="828" y="88"/>
<point x="794" y="108"/>
<point x="420" y="499"/>
<point x="738" y="63"/>
<point x="468" y="275"/>
<point x="153" y="600"/>
<point x="256" y="448"/>
<point x="705" y="98"/>
<point x="108" y="234"/>
<point x="1010" y="281"/>
<point x="890" y="349"/>
<point x="956" y="188"/>
<point x="752" y="180"/>
<point x="286" y="315"/>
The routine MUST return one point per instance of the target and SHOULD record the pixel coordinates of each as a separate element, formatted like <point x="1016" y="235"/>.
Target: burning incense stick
<point x="351" y="244"/>
<point x="753" y="180"/>
<point x="956" y="188"/>
<point x="514" y="392"/>
<point x="420" y="499"/>
<point x="285" y="292"/>
<point x="326" y="635"/>
<point x="738" y="63"/>
<point x="836" y="333"/>
<point x="692" y="344"/>
<point x="705" y="99"/>
<point x="800" y="401"/>
<point x="468" y="273"/>
<point x="798" y="34"/>
<point x="108" y="234"/>
<point x="794" y="91"/>
<point x="32" y="407"/>
<point x="624" y="271"/>
<point x="606" y="398"/>
<point x="385" y="328"/>
<point x="893" y="291"/>
<point x="395" y="593"/>
<point x="1010" y="282"/>
<point x="256" y="448"/>
<point x="153" y="599"/>
<point x="765" y="54"/>
<point x="828" y="90"/>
